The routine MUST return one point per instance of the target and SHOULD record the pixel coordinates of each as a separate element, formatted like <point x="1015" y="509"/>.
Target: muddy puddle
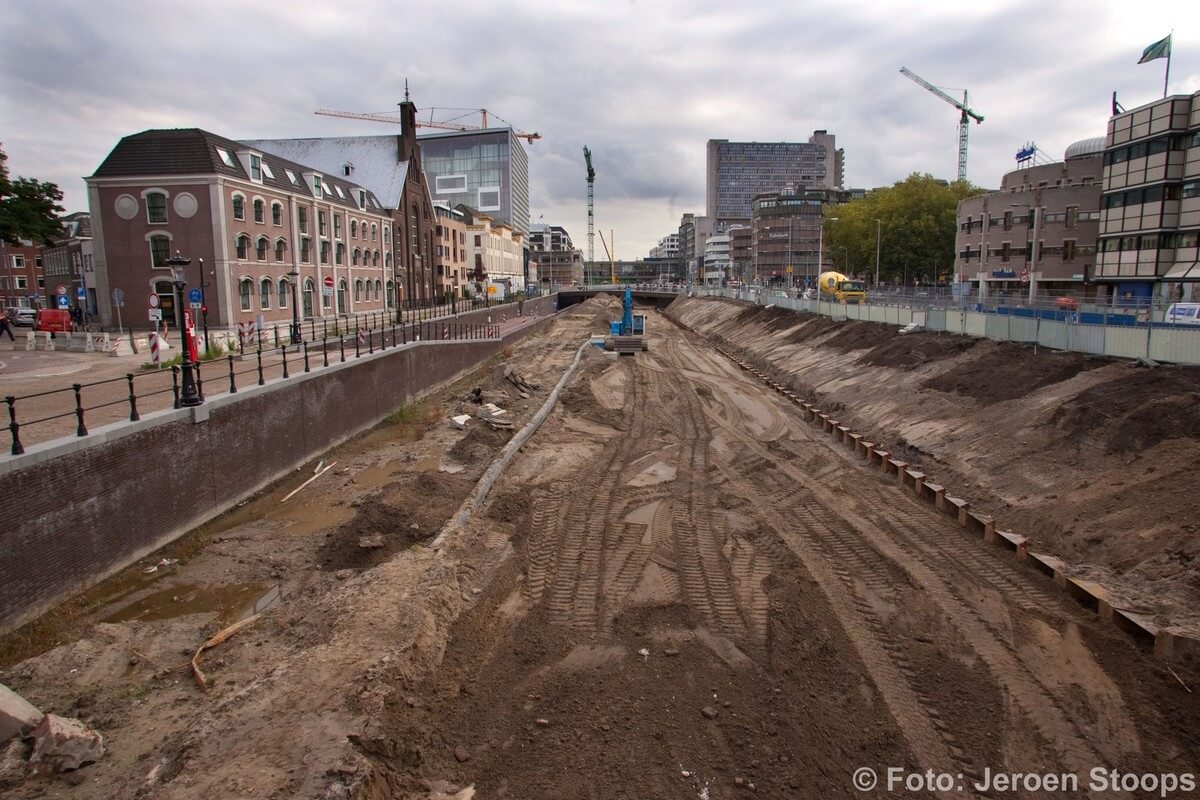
<point x="230" y="603"/>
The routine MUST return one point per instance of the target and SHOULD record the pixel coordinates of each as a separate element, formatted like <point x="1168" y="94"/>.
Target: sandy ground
<point x="1094" y="459"/>
<point x="677" y="590"/>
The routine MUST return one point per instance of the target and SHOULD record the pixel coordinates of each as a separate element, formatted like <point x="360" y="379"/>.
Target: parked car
<point x="1183" y="314"/>
<point x="24" y="317"/>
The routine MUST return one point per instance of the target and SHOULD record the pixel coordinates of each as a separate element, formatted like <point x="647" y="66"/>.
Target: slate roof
<point x="376" y="160"/>
<point x="192" y="151"/>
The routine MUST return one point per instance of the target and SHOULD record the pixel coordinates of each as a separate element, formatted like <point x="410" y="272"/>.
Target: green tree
<point x="29" y="208"/>
<point x="917" y="224"/>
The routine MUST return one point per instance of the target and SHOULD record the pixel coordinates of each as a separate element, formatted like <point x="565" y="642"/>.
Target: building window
<point x="306" y="250"/>
<point x="280" y="248"/>
<point x="358" y="290"/>
<point x="156" y="208"/>
<point x="302" y="218"/>
<point x="322" y="224"/>
<point x="388" y="260"/>
<point x="354" y="257"/>
<point x="244" y="290"/>
<point x="391" y="293"/>
<point x="239" y="207"/>
<point x="489" y="198"/>
<point x="259" y="211"/>
<point x="337" y="226"/>
<point x="341" y="253"/>
<point x="22" y="281"/>
<point x="386" y="230"/>
<point x="276" y="214"/>
<point x="284" y="288"/>
<point x="450" y="184"/>
<point x="375" y="261"/>
<point x="341" y="296"/>
<point x="378" y="288"/>
<point x="1068" y="250"/>
<point x="160" y="251"/>
<point x="309" y="291"/>
<point x="265" y="290"/>
<point x="260" y="248"/>
<point x="256" y="167"/>
<point x="374" y="231"/>
<point x="318" y="187"/>
<point x="324" y="252"/>
<point x="353" y="229"/>
<point x="243" y="246"/>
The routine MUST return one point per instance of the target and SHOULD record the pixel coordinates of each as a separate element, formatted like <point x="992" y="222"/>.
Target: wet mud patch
<point x="1135" y="411"/>
<point x="1008" y="371"/>
<point x="408" y="513"/>
<point x="479" y="446"/>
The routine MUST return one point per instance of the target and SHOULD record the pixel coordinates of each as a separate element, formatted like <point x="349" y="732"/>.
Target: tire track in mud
<point x="871" y="553"/>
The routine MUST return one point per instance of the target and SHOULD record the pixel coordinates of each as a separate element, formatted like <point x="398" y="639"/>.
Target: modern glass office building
<point x="486" y="170"/>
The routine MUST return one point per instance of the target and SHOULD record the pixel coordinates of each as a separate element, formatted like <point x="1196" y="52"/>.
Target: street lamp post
<point x="294" y="275"/>
<point x="821" y="253"/>
<point x="189" y="396"/>
<point x="204" y="306"/>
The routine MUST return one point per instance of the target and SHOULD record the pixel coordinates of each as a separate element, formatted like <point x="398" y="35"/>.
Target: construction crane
<point x="430" y="123"/>
<point x="964" y="119"/>
<point x="591" y="181"/>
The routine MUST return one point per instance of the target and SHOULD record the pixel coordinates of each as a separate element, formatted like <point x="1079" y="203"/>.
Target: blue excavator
<point x="627" y="336"/>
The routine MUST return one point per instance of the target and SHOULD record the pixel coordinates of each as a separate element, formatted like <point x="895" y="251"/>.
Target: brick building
<point x="1038" y="234"/>
<point x="68" y="261"/>
<point x="495" y="250"/>
<point x="22" y="281"/>
<point x="256" y="221"/>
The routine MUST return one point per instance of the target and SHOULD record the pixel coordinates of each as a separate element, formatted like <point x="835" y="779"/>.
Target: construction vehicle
<point x="964" y="120"/>
<point x="841" y="289"/>
<point x="627" y="336"/>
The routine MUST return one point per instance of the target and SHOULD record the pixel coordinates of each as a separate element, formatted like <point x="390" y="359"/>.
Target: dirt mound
<point x="861" y="335"/>
<point x="814" y="327"/>
<point x="378" y="531"/>
<point x="916" y="349"/>
<point x="1007" y="371"/>
<point x="1135" y="411"/>
<point x="479" y="446"/>
<point x="772" y="318"/>
<point x="510" y="506"/>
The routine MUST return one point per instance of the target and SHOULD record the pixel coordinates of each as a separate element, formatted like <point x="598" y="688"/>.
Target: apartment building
<point x="1150" y="209"/>
<point x="262" y="232"/>
<point x="1037" y="235"/>
<point x="450" y="250"/>
<point x="22" y="279"/>
<point x="557" y="259"/>
<point x="495" y="251"/>
<point x="69" y="262"/>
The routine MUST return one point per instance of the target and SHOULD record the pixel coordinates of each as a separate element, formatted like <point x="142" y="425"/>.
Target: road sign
<point x="327" y="281"/>
<point x="119" y="297"/>
<point x="60" y="289"/>
<point x="156" y="315"/>
<point x="327" y="291"/>
<point x="80" y="293"/>
<point x="63" y="302"/>
<point x="1025" y="275"/>
<point x="194" y="296"/>
<point x="153" y="301"/>
<point x="194" y="305"/>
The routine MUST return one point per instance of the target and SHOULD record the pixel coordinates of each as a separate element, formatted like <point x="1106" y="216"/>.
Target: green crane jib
<point x="591" y="180"/>
<point x="966" y="115"/>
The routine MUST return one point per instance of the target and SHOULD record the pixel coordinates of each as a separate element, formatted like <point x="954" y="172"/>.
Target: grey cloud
<point x="644" y="84"/>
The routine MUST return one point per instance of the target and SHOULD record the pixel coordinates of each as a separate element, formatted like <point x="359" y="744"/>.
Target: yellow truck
<point x="841" y="288"/>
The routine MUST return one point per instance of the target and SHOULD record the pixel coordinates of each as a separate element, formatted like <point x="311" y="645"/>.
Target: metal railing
<point x="134" y="391"/>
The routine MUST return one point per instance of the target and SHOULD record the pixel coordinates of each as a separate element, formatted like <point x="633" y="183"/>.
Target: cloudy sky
<point x="644" y="83"/>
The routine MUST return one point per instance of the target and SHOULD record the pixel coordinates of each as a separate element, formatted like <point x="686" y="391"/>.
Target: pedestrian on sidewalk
<point x="5" y="326"/>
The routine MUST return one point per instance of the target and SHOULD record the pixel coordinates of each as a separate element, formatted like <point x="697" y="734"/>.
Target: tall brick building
<point x="252" y="217"/>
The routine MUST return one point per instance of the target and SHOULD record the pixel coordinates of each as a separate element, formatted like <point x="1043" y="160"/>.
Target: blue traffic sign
<point x="79" y="292"/>
<point x="63" y="302"/>
<point x="194" y="295"/>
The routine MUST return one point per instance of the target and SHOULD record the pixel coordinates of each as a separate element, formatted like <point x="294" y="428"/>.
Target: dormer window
<point x="318" y="189"/>
<point x="362" y="198"/>
<point x="255" y="167"/>
<point x="347" y="170"/>
<point x="226" y="158"/>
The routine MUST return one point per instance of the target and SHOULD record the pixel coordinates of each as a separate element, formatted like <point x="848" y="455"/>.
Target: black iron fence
<point x="249" y="366"/>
